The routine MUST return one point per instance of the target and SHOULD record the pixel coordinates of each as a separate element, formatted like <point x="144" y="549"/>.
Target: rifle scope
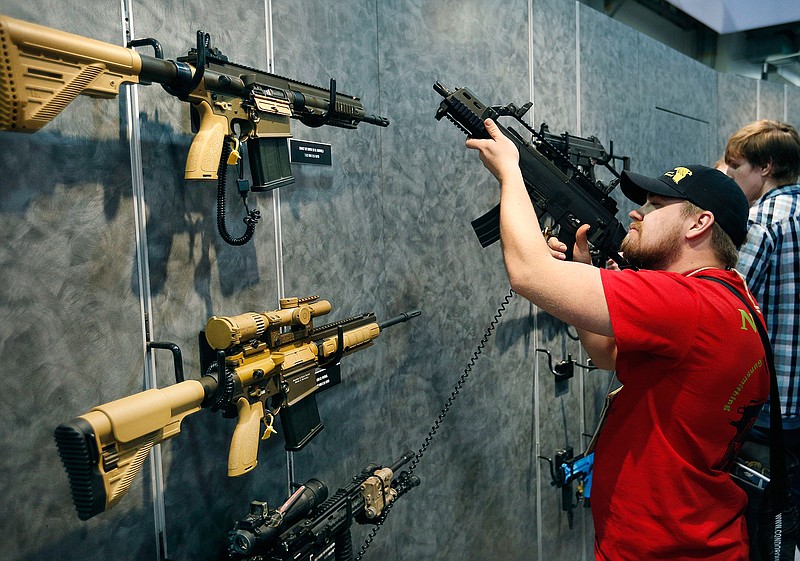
<point x="224" y="332"/>
<point x="259" y="528"/>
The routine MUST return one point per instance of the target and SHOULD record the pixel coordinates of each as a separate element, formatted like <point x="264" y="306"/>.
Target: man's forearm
<point x="524" y="246"/>
<point x="564" y="289"/>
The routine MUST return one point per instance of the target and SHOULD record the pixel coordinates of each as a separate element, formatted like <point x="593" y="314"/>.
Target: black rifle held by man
<point x="558" y="188"/>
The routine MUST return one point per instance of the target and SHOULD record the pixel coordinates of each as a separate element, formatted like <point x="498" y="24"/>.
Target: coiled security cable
<point x="437" y="424"/>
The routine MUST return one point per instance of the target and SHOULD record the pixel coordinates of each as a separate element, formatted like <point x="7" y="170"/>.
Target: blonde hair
<point x="767" y="141"/>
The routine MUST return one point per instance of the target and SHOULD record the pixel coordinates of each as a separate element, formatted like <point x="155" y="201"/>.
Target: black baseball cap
<point x="706" y="187"/>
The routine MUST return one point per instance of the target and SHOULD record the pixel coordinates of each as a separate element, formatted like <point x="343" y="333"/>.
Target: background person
<point x="763" y="157"/>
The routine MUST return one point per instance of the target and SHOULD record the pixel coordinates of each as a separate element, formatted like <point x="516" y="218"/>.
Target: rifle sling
<point x="777" y="452"/>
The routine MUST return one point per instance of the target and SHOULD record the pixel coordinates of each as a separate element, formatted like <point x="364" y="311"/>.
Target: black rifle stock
<point x="310" y="526"/>
<point x="557" y="186"/>
<point x="257" y="365"/>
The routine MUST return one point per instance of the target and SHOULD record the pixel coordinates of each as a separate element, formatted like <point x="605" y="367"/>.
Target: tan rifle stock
<point x="270" y="363"/>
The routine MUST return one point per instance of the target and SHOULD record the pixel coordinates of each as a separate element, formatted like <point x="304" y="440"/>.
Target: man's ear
<point x="702" y="223"/>
<point x="766" y="169"/>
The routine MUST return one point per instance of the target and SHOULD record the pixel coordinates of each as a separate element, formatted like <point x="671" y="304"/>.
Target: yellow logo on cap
<point x="679" y="173"/>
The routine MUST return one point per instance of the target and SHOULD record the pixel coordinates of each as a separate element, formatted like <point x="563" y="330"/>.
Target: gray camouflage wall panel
<point x="611" y="101"/>
<point x="432" y="188"/>
<point x="71" y="329"/>
<point x="772" y="101"/>
<point x="737" y="101"/>
<point x="679" y="99"/>
<point x="554" y="57"/>
<point x="793" y="106"/>
<point x="385" y="228"/>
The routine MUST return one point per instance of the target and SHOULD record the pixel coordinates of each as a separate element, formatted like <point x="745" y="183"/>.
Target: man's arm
<point x="600" y="348"/>
<point x="570" y="291"/>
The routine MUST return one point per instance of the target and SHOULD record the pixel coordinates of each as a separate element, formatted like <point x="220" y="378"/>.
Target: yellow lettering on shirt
<point x="747" y="319"/>
<point x="742" y="382"/>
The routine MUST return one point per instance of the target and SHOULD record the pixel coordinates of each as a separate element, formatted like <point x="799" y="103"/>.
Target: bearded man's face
<point x="654" y="241"/>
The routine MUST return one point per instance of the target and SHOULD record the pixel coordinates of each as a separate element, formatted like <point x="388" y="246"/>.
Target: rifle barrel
<point x="399" y="319"/>
<point x="407" y="456"/>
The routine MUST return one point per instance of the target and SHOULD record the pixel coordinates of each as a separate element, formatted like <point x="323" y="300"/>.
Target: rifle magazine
<point x="487" y="227"/>
<point x="301" y="423"/>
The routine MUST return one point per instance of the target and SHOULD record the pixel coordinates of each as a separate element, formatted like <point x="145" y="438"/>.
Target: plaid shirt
<point x="770" y="261"/>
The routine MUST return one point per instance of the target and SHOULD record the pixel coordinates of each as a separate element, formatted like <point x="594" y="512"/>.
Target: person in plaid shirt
<point x="763" y="157"/>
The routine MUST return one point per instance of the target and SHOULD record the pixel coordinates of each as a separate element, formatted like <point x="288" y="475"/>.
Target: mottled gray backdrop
<point x="385" y="228"/>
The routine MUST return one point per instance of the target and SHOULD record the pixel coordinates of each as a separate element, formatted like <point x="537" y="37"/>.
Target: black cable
<point x="253" y="216"/>
<point x="461" y="381"/>
<point x="437" y="424"/>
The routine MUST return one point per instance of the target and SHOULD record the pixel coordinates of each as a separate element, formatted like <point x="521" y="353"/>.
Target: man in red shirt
<point x="685" y="348"/>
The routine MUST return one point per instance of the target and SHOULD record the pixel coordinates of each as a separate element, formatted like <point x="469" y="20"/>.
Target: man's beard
<point x="654" y="256"/>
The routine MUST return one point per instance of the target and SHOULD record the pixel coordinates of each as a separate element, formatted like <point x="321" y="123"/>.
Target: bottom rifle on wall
<point x="310" y="526"/>
<point x="257" y="365"/>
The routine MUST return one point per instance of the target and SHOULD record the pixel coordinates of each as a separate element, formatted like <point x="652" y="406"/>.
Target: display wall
<point x="106" y="244"/>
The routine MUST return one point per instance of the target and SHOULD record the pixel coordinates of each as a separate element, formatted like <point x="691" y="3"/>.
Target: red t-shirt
<point x="694" y="378"/>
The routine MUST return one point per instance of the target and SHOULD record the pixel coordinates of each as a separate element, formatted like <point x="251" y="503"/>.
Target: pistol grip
<point x="205" y="152"/>
<point x="243" y="455"/>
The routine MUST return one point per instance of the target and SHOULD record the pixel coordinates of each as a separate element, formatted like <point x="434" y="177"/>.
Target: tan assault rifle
<point x="42" y="70"/>
<point x="257" y="365"/>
